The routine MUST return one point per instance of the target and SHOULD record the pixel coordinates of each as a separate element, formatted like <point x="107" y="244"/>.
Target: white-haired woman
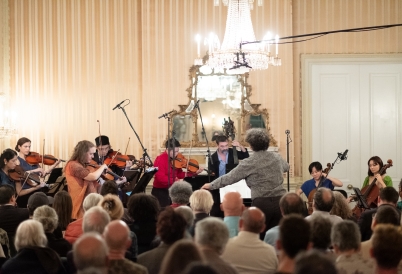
<point x="33" y="256"/>
<point x="47" y="216"/>
<point x="201" y="202"/>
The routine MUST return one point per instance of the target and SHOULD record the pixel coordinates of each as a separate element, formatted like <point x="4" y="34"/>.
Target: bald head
<point x="324" y="199"/>
<point x="117" y="235"/>
<point x="232" y="204"/>
<point x="252" y="220"/>
<point x="90" y="250"/>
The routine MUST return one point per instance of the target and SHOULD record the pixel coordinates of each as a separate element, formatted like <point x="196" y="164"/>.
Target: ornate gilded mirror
<point x="221" y="96"/>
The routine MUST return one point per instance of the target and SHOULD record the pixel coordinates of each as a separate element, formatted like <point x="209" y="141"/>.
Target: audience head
<point x="252" y="220"/>
<point x="386" y="214"/>
<point x="30" y="233"/>
<point x="95" y="220"/>
<point x="232" y="204"/>
<point x="341" y="207"/>
<point x="320" y="232"/>
<point x="323" y="199"/>
<point x="180" y="192"/>
<point x="38" y="199"/>
<point x="90" y="251"/>
<point x="170" y="226"/>
<point x="212" y="233"/>
<point x="143" y="207"/>
<point x="117" y="236"/>
<point x="345" y="237"/>
<point x="388" y="195"/>
<point x="314" y="262"/>
<point x="290" y="242"/>
<point x="63" y="205"/>
<point x="7" y="194"/>
<point x="201" y="201"/>
<point x="292" y="203"/>
<point x="113" y="206"/>
<point x="179" y="256"/>
<point x="258" y="139"/>
<point x="187" y="214"/>
<point x="109" y="187"/>
<point x="47" y="216"/>
<point x="199" y="268"/>
<point x="91" y="200"/>
<point x="387" y="246"/>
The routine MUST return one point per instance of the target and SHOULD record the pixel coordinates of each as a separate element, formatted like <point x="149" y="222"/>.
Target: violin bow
<point x="100" y="141"/>
<point x="117" y="152"/>
<point x="189" y="154"/>
<point x="125" y="153"/>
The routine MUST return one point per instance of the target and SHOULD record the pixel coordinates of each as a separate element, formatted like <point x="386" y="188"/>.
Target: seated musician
<point x="103" y="148"/>
<point x="165" y="171"/>
<point x="315" y="169"/>
<point x="375" y="164"/>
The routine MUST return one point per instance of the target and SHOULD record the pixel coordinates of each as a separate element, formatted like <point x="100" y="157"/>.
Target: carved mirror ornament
<point x="221" y="96"/>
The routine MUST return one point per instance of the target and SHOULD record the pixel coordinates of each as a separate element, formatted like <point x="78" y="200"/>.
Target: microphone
<point x="165" y="114"/>
<point x="192" y="106"/>
<point x="343" y="156"/>
<point x="118" y="105"/>
<point x="287" y="131"/>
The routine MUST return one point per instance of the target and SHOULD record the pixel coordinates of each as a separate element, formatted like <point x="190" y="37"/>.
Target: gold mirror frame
<point x="247" y="110"/>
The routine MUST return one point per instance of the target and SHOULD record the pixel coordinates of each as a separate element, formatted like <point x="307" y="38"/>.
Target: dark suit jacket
<point x="214" y="167"/>
<point x="152" y="259"/>
<point x="10" y="218"/>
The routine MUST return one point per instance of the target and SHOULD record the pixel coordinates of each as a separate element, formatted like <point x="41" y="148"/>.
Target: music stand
<point x="144" y="181"/>
<point x="56" y="173"/>
<point x="361" y="201"/>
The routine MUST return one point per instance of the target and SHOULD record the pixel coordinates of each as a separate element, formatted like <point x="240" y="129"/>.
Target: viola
<point x="181" y="162"/>
<point x="118" y="159"/>
<point x="34" y="158"/>
<point x="110" y="175"/>
<point x="18" y="174"/>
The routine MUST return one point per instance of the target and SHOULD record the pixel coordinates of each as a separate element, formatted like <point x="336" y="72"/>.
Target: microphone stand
<point x="288" y="141"/>
<point x="206" y="139"/>
<point x="170" y="134"/>
<point x="145" y="154"/>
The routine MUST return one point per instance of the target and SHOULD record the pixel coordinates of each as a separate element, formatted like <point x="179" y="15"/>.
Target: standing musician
<point x="8" y="161"/>
<point x="315" y="169"/>
<point x="163" y="162"/>
<point x="222" y="156"/>
<point x="82" y="178"/>
<point x="375" y="164"/>
<point x="103" y="148"/>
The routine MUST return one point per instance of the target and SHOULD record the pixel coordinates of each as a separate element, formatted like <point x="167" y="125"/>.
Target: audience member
<point x="314" y="262"/>
<point x="341" y="207"/>
<point x="291" y="243"/>
<point x="387" y="248"/>
<point x="246" y="251"/>
<point x="113" y="206"/>
<point x="64" y="207"/>
<point x="288" y="204"/>
<point x="399" y="204"/>
<point x="10" y="215"/>
<point x="180" y="193"/>
<point x="36" y="200"/>
<point x="321" y="233"/>
<point x="91" y="252"/>
<point x="388" y="196"/>
<point x="180" y="255"/>
<point x="47" y="216"/>
<point x="386" y="214"/>
<point x="188" y="215"/>
<point x="232" y="207"/>
<point x="144" y="209"/>
<point x="74" y="229"/>
<point x="322" y="204"/>
<point x="201" y="202"/>
<point x="199" y="268"/>
<point x="117" y="237"/>
<point x="33" y="256"/>
<point x="109" y="187"/>
<point x="212" y="235"/>
<point x="95" y="220"/>
<point x="345" y="238"/>
<point x="170" y="228"/>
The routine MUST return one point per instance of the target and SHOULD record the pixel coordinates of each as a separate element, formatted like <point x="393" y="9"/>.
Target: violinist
<point x="164" y="164"/>
<point x="374" y="166"/>
<point x="315" y="169"/>
<point x="9" y="161"/>
<point x="103" y="149"/>
<point x="82" y="179"/>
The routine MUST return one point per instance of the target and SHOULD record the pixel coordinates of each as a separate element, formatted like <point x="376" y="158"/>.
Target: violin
<point x="118" y="159"/>
<point x="110" y="175"/>
<point x="34" y="158"/>
<point x="18" y="174"/>
<point x="181" y="162"/>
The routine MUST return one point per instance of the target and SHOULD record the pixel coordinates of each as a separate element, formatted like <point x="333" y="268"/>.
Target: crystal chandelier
<point x="7" y="119"/>
<point x="230" y="55"/>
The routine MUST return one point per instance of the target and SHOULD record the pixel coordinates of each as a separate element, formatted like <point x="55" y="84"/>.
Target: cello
<point x="370" y="193"/>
